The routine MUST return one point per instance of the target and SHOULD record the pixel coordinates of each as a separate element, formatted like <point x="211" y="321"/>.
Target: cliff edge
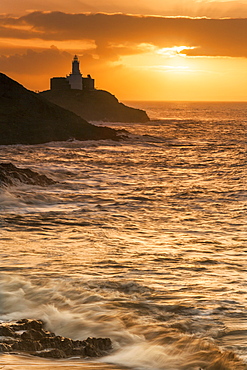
<point x="95" y="105"/>
<point x="28" y="118"/>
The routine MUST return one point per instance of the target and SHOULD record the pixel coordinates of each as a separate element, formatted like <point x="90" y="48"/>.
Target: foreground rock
<point x="10" y="173"/>
<point x="96" y="105"/>
<point x="27" y="118"/>
<point x="29" y="337"/>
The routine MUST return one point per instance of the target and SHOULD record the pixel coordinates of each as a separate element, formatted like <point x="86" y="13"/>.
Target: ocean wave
<point x="82" y="309"/>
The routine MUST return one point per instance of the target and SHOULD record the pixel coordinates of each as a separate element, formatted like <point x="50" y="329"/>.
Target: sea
<point x="142" y="240"/>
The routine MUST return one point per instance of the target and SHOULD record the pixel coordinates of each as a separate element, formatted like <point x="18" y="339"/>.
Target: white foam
<point x="8" y="199"/>
<point x="67" y="311"/>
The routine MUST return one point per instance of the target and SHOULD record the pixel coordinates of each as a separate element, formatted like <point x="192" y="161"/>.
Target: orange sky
<point x="138" y="50"/>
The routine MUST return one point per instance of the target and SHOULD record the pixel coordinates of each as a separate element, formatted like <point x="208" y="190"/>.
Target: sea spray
<point x="54" y="303"/>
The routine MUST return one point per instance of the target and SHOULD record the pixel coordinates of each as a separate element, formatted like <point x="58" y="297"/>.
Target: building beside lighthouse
<point x="73" y="81"/>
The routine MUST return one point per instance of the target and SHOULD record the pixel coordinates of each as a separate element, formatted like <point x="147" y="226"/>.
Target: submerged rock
<point x="10" y="173"/>
<point x="29" y="336"/>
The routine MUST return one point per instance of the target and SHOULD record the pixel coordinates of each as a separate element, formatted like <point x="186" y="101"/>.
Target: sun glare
<point x="174" y="51"/>
<point x="161" y="60"/>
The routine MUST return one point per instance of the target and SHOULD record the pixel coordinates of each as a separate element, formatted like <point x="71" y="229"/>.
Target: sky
<point x="181" y="50"/>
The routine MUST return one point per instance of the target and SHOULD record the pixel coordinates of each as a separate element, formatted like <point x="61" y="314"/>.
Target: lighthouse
<point x="76" y="66"/>
<point x="75" y="77"/>
<point x="73" y="81"/>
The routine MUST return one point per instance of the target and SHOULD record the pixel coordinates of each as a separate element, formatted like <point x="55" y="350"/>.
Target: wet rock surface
<point x="30" y="337"/>
<point x="10" y="173"/>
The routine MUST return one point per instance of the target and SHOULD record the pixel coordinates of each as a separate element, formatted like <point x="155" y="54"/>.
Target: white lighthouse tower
<point x="73" y="81"/>
<point x="75" y="78"/>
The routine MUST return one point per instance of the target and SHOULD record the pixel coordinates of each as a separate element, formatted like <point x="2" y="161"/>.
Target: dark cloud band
<point x="210" y="37"/>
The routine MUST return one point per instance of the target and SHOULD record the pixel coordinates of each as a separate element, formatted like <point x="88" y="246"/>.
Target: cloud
<point x="121" y="34"/>
<point x="35" y="62"/>
<point x="205" y="8"/>
<point x="191" y="8"/>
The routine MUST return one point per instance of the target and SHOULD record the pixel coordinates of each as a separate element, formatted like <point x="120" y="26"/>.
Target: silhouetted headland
<point x="28" y="118"/>
<point x="96" y="105"/>
<point x="78" y="94"/>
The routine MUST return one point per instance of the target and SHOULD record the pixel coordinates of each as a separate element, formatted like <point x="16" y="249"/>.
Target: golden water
<point x="142" y="241"/>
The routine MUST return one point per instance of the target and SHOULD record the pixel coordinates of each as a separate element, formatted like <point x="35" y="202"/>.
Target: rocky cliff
<point x="96" y="105"/>
<point x="27" y="118"/>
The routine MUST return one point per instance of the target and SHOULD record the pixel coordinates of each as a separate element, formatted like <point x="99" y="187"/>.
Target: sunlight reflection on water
<point x="143" y="238"/>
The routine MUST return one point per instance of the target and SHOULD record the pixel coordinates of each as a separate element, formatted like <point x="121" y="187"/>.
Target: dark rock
<point x="26" y="345"/>
<point x="49" y="341"/>
<point x="28" y="118"/>
<point x="78" y="352"/>
<point x="4" y="347"/>
<point x="26" y="324"/>
<point x="51" y="353"/>
<point x="8" y="176"/>
<point x="32" y="335"/>
<point x="97" y="105"/>
<point x="5" y="331"/>
<point x="29" y="336"/>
